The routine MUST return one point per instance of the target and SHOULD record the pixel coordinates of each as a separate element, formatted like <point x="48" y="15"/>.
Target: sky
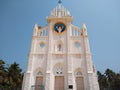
<point x="102" y="18"/>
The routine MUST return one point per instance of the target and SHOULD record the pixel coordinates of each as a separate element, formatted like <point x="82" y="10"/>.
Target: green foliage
<point x="109" y="80"/>
<point x="11" y="76"/>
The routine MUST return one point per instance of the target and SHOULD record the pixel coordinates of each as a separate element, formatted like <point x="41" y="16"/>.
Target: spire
<point x="84" y="26"/>
<point x="84" y="29"/>
<point x="59" y="2"/>
<point x="60" y="11"/>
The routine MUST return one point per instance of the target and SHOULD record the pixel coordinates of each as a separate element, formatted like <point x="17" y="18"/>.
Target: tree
<point x="102" y="81"/>
<point x="15" y="76"/>
<point x="109" y="80"/>
<point x="10" y="76"/>
<point x="3" y="75"/>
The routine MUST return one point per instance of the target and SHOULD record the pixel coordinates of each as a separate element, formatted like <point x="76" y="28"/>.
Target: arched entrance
<point x="59" y="77"/>
<point x="39" y="81"/>
<point x="79" y="80"/>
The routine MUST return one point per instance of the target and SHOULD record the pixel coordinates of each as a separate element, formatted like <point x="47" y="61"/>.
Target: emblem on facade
<point x="59" y="27"/>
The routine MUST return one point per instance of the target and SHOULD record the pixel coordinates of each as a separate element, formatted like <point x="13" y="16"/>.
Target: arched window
<point x="78" y="73"/>
<point x="58" y="69"/>
<point x="39" y="73"/>
<point x="42" y="44"/>
<point x="59" y="47"/>
<point x="41" y="33"/>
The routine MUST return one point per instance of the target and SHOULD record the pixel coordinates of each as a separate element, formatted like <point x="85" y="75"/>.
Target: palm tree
<point x="110" y="75"/>
<point x="15" y="76"/>
<point x="3" y="75"/>
<point x="117" y="82"/>
<point x="102" y="81"/>
<point x="112" y="79"/>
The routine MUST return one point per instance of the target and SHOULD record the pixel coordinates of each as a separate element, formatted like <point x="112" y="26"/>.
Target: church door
<point x="79" y="83"/>
<point x="59" y="82"/>
<point x="38" y="85"/>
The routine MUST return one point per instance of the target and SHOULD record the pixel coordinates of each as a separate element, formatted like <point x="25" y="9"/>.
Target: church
<point x="60" y="57"/>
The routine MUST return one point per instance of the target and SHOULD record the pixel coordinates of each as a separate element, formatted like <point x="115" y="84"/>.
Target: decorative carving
<point x="58" y="69"/>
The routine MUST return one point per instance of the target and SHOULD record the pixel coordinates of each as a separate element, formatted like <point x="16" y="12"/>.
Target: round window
<point x="42" y="45"/>
<point x="77" y="44"/>
<point x="59" y="27"/>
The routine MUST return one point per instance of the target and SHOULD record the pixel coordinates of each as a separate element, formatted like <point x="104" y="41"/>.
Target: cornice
<point x="68" y="19"/>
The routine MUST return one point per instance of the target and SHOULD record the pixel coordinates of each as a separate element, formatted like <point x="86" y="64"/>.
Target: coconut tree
<point x="116" y="84"/>
<point x="102" y="81"/>
<point x="110" y="75"/>
<point x="3" y="75"/>
<point x="15" y="76"/>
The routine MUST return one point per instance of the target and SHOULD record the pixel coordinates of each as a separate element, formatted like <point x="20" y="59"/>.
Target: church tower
<point x="59" y="57"/>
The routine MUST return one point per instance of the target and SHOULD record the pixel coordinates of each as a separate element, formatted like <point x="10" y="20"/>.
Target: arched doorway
<point x="39" y="81"/>
<point x="59" y="77"/>
<point x="79" y="80"/>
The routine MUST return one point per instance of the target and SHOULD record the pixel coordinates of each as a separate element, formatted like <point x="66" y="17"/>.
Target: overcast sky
<point x="102" y="18"/>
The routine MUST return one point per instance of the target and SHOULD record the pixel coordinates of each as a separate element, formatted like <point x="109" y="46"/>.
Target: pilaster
<point x="49" y="60"/>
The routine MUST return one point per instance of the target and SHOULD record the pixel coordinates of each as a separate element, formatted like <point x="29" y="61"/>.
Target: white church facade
<point x="59" y="57"/>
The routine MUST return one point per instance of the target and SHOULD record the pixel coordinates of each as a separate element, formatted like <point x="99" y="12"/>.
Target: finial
<point x="59" y="2"/>
<point x="84" y="26"/>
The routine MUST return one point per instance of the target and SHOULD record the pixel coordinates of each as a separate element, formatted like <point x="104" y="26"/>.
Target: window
<point x="40" y="33"/>
<point x="77" y="44"/>
<point x="78" y="73"/>
<point x="42" y="45"/>
<point x="70" y="86"/>
<point x="39" y="73"/>
<point x="58" y="69"/>
<point x="46" y="32"/>
<point x="43" y="33"/>
<point x="59" y="47"/>
<point x="75" y="33"/>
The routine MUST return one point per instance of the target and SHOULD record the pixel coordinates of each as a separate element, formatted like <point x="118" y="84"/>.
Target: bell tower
<point x="59" y="57"/>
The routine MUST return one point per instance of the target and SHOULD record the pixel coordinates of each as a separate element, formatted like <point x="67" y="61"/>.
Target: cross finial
<point x="59" y="2"/>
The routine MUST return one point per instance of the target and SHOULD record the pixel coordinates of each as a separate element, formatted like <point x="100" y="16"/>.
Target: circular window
<point x="77" y="44"/>
<point x="42" y="45"/>
<point x="59" y="27"/>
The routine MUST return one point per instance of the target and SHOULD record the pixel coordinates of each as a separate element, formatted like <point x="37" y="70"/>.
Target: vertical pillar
<point x="69" y="61"/>
<point x="48" y="63"/>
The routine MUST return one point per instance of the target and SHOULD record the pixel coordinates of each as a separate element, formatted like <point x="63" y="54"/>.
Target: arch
<point x="38" y="72"/>
<point x="58" y="69"/>
<point x="38" y="79"/>
<point x="78" y="72"/>
<point x="79" y="79"/>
